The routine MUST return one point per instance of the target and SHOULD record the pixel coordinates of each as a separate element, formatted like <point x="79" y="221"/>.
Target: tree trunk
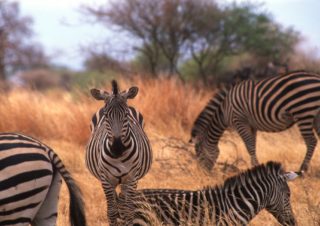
<point x="2" y="71"/>
<point x="2" y="53"/>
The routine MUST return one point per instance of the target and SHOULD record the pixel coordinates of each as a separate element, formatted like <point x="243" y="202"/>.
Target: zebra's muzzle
<point x="117" y="148"/>
<point x="197" y="149"/>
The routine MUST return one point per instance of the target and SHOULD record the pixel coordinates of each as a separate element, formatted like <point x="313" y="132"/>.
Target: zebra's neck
<point x="212" y="116"/>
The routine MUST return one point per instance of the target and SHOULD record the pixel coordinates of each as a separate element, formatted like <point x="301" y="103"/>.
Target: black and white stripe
<point x="30" y="181"/>
<point x="118" y="152"/>
<point x="236" y="202"/>
<point x="269" y="105"/>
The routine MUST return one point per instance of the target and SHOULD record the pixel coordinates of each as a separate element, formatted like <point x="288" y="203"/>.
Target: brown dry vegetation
<point x="61" y="120"/>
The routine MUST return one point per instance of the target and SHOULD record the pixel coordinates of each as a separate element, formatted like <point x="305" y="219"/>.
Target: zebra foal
<point x="30" y="180"/>
<point x="118" y="151"/>
<point x="270" y="105"/>
<point x="236" y="202"/>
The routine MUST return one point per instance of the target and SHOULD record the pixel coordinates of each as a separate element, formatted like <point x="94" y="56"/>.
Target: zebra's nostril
<point x="115" y="140"/>
<point x="117" y="147"/>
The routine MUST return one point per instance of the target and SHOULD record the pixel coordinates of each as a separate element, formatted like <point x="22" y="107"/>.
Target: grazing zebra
<point x="118" y="152"/>
<point x="30" y="180"/>
<point x="236" y="202"/>
<point x="270" y="105"/>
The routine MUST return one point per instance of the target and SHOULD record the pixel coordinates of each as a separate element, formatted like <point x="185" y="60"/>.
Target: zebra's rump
<point x="275" y="104"/>
<point x="22" y="192"/>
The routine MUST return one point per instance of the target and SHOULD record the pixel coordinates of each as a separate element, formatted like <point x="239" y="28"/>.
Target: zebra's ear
<point x="132" y="92"/>
<point x="292" y="175"/>
<point x="99" y="94"/>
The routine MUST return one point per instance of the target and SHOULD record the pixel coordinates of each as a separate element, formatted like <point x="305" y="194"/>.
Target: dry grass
<point x="169" y="107"/>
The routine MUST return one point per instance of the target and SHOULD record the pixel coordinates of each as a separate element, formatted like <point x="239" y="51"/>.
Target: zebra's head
<point x="279" y="200"/>
<point x="116" y="111"/>
<point x="207" y="157"/>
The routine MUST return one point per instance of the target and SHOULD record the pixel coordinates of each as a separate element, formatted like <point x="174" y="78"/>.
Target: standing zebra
<point x="236" y="202"/>
<point x="118" y="152"/>
<point x="270" y="105"/>
<point x="30" y="181"/>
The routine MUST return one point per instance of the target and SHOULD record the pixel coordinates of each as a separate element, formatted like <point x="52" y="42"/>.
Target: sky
<point x="62" y="29"/>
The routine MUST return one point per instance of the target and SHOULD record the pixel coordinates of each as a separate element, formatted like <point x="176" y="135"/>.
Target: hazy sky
<point x="61" y="29"/>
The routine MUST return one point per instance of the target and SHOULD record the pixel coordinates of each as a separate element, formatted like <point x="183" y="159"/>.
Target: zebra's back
<point x="276" y="103"/>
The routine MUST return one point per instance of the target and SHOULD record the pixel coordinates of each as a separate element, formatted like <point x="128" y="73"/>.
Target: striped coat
<point x="118" y="152"/>
<point x="30" y="180"/>
<point x="116" y="168"/>
<point x="236" y="202"/>
<point x="269" y="105"/>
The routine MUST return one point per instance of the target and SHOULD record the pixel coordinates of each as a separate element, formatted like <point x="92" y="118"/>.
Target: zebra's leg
<point x="248" y="135"/>
<point x="208" y="156"/>
<point x="112" y="202"/>
<point x="306" y="130"/>
<point x="142" y="214"/>
<point x="128" y="199"/>
<point x="316" y="123"/>
<point x="47" y="214"/>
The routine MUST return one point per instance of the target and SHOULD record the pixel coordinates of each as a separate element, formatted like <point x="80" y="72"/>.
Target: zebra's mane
<point x="262" y="169"/>
<point x="211" y="108"/>
<point x="297" y="71"/>
<point x="115" y="87"/>
<point x="220" y="95"/>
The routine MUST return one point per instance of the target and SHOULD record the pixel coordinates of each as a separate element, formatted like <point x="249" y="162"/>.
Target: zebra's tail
<point x="76" y="207"/>
<point x="316" y="123"/>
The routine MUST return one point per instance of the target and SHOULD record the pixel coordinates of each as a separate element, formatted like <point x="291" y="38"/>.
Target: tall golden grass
<point x="61" y="120"/>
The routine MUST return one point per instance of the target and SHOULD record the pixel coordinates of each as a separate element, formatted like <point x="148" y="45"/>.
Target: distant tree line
<point x="196" y="39"/>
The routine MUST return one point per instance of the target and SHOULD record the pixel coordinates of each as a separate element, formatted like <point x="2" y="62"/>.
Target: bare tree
<point x="100" y="61"/>
<point x="200" y="31"/>
<point x="17" y="51"/>
<point x="160" y="26"/>
<point x="207" y="44"/>
<point x="137" y="21"/>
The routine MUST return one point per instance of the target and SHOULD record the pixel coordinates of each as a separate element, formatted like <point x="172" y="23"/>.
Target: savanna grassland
<point x="61" y="120"/>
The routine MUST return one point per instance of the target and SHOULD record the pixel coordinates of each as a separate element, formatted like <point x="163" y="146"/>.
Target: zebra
<point x="270" y="105"/>
<point x="30" y="181"/>
<point x="236" y="202"/>
<point x="118" y="152"/>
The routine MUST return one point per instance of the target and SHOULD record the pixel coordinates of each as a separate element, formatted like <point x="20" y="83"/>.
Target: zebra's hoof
<point x="303" y="169"/>
<point x="301" y="173"/>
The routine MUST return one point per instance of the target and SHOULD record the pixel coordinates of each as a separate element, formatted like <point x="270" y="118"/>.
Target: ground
<point x="61" y="120"/>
